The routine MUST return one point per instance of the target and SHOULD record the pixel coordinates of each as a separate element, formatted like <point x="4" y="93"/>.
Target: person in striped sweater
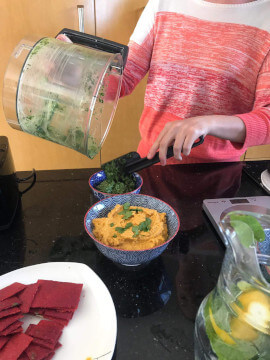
<point x="208" y="65"/>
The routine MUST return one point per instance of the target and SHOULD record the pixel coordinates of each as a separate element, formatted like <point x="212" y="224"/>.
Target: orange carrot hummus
<point x="131" y="228"/>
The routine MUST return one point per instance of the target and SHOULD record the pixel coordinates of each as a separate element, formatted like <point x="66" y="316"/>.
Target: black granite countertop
<point x="156" y="305"/>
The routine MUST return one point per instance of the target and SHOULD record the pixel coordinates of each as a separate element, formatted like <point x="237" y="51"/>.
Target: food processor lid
<point x="96" y="42"/>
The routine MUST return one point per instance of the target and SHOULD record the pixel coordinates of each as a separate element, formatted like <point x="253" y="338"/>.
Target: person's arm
<point x="243" y="130"/>
<point x="183" y="133"/>
<point x="140" y="49"/>
<point x="257" y="122"/>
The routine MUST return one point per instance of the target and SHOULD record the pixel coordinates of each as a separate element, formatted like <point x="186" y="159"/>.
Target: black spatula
<point x="132" y="162"/>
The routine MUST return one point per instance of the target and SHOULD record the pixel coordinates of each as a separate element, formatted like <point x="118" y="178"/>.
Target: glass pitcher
<point x="65" y="92"/>
<point x="233" y="321"/>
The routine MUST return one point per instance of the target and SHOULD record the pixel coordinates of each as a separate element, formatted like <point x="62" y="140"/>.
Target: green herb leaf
<point x="126" y="206"/>
<point x="128" y="225"/>
<point x="117" y="180"/>
<point x="121" y="230"/>
<point x="126" y="214"/>
<point x="243" y="285"/>
<point x="252" y="222"/>
<point x="244" y="233"/>
<point x="242" y="350"/>
<point x="135" y="230"/>
<point x="239" y="304"/>
<point x="145" y="225"/>
<point x="106" y="186"/>
<point x="111" y="224"/>
<point x="136" y="210"/>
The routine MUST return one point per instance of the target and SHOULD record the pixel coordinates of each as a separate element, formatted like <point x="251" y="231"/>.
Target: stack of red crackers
<point x="53" y="300"/>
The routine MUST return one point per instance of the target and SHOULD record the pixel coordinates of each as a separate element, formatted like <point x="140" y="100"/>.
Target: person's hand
<point x="183" y="133"/>
<point x="64" y="38"/>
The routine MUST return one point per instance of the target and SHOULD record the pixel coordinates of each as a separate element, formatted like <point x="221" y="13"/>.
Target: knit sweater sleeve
<point x="140" y="49"/>
<point x="257" y="121"/>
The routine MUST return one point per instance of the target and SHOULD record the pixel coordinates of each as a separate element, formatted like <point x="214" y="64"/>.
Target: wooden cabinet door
<point x="19" y="18"/>
<point x="258" y="153"/>
<point x="116" y="20"/>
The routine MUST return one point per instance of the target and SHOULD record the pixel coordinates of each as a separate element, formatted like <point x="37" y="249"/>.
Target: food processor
<point x="65" y="92"/>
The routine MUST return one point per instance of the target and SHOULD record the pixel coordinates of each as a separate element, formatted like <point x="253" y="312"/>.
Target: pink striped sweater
<point x="202" y="58"/>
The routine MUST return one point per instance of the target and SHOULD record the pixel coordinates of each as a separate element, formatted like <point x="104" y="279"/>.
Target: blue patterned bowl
<point x="100" y="176"/>
<point x="130" y="257"/>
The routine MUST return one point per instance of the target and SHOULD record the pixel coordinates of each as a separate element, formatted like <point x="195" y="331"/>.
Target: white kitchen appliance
<point x="216" y="209"/>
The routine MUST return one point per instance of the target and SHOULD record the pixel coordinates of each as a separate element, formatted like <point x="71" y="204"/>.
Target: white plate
<point x="91" y="333"/>
<point x="265" y="179"/>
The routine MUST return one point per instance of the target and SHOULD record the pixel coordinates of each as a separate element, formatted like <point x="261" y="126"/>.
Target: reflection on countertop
<point x="138" y="291"/>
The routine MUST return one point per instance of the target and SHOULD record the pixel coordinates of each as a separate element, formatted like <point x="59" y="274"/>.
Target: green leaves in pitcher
<point x="247" y="228"/>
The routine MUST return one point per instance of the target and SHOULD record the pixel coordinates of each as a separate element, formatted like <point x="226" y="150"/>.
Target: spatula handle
<point x="140" y="164"/>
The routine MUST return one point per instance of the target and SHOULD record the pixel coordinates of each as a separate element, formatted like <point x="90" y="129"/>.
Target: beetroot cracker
<point x="44" y="343"/>
<point x="15" y="347"/>
<point x="37" y="352"/>
<point x="57" y="346"/>
<point x="23" y="357"/>
<point x="27" y="297"/>
<point x="47" y="345"/>
<point x="11" y="290"/>
<point x="18" y="331"/>
<point x="9" y="303"/>
<point x="45" y="333"/>
<point x="36" y="311"/>
<point x="65" y="310"/>
<point x="30" y="327"/>
<point x="57" y="295"/>
<point x="49" y="357"/>
<point x="5" y="322"/>
<point x="14" y="326"/>
<point x="58" y="314"/>
<point x="62" y="322"/>
<point x="3" y="341"/>
<point x="45" y="330"/>
<point x="10" y="311"/>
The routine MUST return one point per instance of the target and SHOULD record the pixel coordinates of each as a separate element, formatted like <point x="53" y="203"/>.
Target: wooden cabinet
<point x="258" y="153"/>
<point x="19" y="18"/>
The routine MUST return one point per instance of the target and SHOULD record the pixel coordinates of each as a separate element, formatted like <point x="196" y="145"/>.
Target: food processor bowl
<point x="64" y="92"/>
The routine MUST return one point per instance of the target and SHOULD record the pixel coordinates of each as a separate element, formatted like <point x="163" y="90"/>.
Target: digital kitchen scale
<point x="216" y="209"/>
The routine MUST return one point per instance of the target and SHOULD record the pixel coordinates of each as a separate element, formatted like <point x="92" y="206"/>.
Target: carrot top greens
<point x="117" y="180"/>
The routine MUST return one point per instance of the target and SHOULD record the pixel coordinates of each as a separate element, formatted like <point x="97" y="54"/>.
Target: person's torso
<point x="200" y="66"/>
